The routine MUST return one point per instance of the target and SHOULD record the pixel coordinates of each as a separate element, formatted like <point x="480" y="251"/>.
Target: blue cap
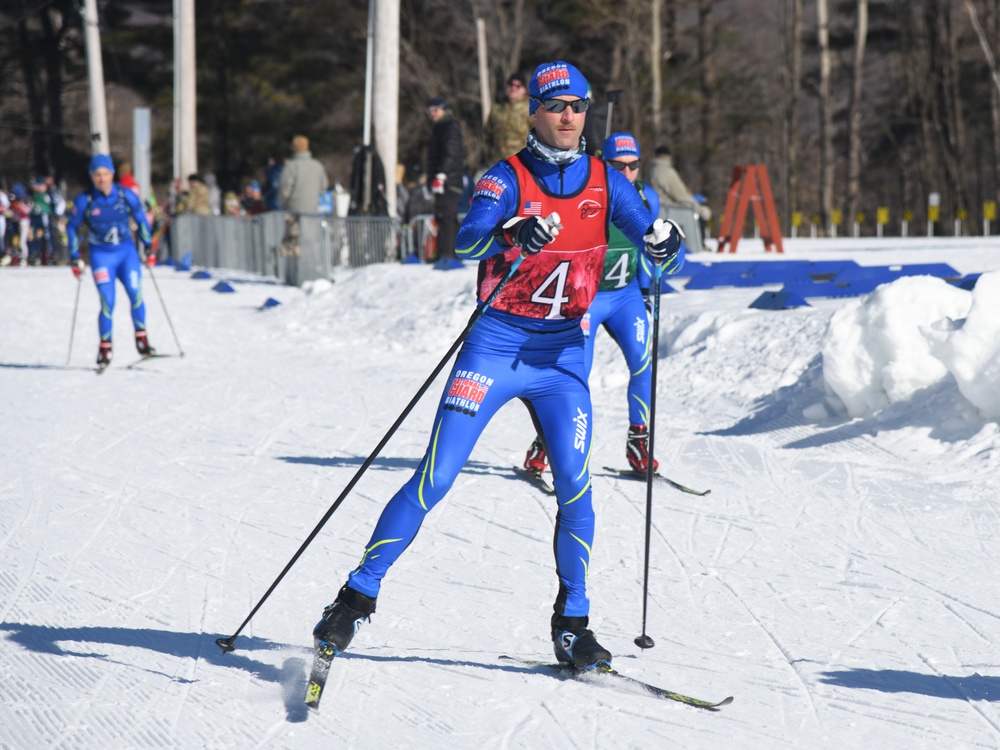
<point x="101" y="161"/>
<point x="620" y="144"/>
<point x="39" y="180"/>
<point x="555" y="79"/>
<point x="255" y="185"/>
<point x="18" y="190"/>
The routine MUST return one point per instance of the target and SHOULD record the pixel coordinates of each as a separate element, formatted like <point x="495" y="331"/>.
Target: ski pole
<point x="644" y="641"/>
<point x="226" y="644"/>
<point x="72" y="329"/>
<point x="613" y="98"/>
<point x="166" y="314"/>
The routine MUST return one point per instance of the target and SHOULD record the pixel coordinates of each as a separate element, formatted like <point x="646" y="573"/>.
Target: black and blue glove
<point x="663" y="240"/>
<point x="531" y="234"/>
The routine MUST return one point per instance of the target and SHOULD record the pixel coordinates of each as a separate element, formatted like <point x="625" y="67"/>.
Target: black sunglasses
<point x="621" y="166"/>
<point x="556" y="106"/>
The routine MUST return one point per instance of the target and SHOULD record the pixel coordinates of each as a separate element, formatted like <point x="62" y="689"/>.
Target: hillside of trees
<point x="853" y="105"/>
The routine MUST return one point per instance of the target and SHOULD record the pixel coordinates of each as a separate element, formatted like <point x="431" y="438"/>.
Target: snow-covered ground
<point x="838" y="580"/>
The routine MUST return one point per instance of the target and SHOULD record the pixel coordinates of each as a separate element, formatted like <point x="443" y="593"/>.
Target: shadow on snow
<point x="291" y="676"/>
<point x="974" y="687"/>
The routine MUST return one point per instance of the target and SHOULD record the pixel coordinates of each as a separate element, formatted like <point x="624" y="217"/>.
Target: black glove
<point x="532" y="234"/>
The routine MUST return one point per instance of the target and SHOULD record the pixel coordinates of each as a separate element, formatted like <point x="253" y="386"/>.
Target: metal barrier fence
<point x="256" y="244"/>
<point x="687" y="219"/>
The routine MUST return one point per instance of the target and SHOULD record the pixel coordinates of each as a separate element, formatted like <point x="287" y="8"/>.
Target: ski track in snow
<point x="837" y="580"/>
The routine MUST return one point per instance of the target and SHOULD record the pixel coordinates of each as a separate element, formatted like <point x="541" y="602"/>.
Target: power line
<point x="34" y="128"/>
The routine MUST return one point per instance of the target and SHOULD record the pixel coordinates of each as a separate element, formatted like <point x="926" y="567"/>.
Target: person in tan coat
<point x="664" y="179"/>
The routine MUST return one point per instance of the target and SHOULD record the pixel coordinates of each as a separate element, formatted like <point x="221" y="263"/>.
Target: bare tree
<point x="793" y="98"/>
<point x="655" y="63"/>
<point x="826" y="167"/>
<point x="709" y="104"/>
<point x="854" y="109"/>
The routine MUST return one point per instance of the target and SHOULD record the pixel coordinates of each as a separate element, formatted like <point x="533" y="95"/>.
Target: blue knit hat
<point x="555" y="79"/>
<point x="620" y="144"/>
<point x="99" y="161"/>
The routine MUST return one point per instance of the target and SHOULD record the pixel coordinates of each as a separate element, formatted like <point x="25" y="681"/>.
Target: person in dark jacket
<point x="445" y="169"/>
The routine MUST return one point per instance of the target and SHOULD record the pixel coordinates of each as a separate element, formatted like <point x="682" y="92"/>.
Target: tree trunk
<point x="793" y="96"/>
<point x="655" y="66"/>
<point x="825" y="115"/>
<point x="706" y="63"/>
<point x="53" y="93"/>
<point x="945" y="110"/>
<point x="670" y="39"/>
<point x="854" y="112"/>
<point x="36" y="110"/>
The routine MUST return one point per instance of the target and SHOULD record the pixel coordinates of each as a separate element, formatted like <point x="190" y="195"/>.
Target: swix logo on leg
<point x="640" y="330"/>
<point x="580" y="440"/>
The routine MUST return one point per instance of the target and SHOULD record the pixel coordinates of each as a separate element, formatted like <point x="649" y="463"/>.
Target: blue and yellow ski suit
<point x="528" y="344"/>
<point x="113" y="254"/>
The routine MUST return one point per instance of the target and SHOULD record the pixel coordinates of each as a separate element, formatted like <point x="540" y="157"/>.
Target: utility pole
<point x="100" y="143"/>
<point x="185" y="92"/>
<point x="387" y="93"/>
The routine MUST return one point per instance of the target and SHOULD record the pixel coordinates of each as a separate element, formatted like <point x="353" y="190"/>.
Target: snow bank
<point x="910" y="335"/>
<point x="970" y="349"/>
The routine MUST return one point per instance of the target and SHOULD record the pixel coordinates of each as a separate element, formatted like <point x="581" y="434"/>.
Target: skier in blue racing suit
<point x="528" y="344"/>
<point x="620" y="308"/>
<point x="107" y="209"/>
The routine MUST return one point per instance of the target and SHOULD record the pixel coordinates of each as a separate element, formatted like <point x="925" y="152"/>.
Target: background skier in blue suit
<point x="107" y="210"/>
<point x="528" y="344"/>
<point x="620" y="308"/>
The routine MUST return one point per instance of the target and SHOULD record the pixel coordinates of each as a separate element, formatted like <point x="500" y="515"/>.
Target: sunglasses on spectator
<point x="557" y="106"/>
<point x="515" y="85"/>
<point x="621" y="166"/>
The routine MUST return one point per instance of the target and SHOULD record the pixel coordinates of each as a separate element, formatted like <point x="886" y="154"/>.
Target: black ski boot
<point x="104" y="355"/>
<point x="342" y="619"/>
<point x="575" y="645"/>
<point x="142" y="345"/>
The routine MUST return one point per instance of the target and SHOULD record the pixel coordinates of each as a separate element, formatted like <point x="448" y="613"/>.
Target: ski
<point x="632" y="474"/>
<point x="536" y="479"/>
<point x="144" y="358"/>
<point x="609" y="671"/>
<point x="100" y="369"/>
<point x="322" y="658"/>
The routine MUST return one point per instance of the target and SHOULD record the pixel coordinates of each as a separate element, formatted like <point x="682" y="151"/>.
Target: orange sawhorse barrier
<point x="750" y="187"/>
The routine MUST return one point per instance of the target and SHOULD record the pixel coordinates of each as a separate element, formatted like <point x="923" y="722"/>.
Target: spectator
<point x="664" y="179"/>
<point x="196" y="199"/>
<point x="302" y="181"/>
<point x="231" y="204"/>
<point x="507" y="128"/>
<point x="127" y="179"/>
<point x="272" y="179"/>
<point x="20" y="209"/>
<point x="445" y="169"/>
<point x="57" y="229"/>
<point x="252" y="200"/>
<point x="40" y="229"/>
<point x="214" y="194"/>
<point x="4" y="208"/>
